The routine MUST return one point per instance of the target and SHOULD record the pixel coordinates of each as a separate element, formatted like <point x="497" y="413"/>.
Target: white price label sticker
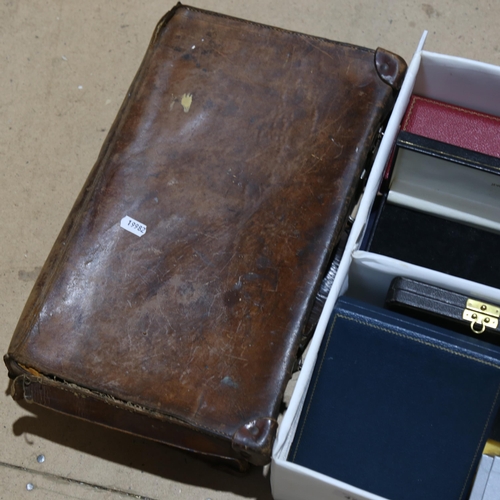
<point x="133" y="226"/>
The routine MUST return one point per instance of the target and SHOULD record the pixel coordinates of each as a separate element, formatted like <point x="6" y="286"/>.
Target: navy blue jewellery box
<point x="397" y="407"/>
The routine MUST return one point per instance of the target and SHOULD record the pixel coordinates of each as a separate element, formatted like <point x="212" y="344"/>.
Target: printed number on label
<point x="133" y="226"/>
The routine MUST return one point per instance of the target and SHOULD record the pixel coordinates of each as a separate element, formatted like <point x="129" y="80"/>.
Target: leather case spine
<point x="102" y="409"/>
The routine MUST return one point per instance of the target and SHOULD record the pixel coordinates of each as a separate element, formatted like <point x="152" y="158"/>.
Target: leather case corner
<point x="254" y="440"/>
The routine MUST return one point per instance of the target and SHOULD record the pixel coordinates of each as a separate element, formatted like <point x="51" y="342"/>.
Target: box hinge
<point x="481" y="315"/>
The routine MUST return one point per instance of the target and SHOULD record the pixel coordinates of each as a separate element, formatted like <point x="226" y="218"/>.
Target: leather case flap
<point x="234" y="160"/>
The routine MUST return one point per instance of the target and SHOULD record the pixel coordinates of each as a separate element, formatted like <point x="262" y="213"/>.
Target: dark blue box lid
<point x="397" y="407"/>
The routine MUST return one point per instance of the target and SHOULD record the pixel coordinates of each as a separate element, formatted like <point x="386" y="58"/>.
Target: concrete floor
<point x="66" y="66"/>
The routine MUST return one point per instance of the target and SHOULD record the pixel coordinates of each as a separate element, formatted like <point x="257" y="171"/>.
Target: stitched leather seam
<point x="463" y="110"/>
<point x="77" y="390"/>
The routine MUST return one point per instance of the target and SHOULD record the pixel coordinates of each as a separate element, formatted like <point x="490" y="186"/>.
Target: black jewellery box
<point x="445" y="308"/>
<point x="440" y="210"/>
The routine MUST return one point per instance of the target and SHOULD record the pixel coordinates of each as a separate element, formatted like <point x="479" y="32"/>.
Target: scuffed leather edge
<point x="75" y="401"/>
<point x="164" y="21"/>
<point x="251" y="443"/>
<point x="275" y="28"/>
<point x="254" y="440"/>
<point x="390" y="67"/>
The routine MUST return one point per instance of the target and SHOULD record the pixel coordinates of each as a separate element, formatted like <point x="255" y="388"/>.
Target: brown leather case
<point x="239" y="147"/>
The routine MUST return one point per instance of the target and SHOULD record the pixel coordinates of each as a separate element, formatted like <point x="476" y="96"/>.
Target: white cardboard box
<point x="458" y="81"/>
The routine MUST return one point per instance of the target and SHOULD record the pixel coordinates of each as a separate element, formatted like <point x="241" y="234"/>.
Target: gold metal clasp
<point x="481" y="315"/>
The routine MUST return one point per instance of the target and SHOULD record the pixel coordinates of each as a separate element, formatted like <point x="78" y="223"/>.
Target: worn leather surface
<point x="239" y="147"/>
